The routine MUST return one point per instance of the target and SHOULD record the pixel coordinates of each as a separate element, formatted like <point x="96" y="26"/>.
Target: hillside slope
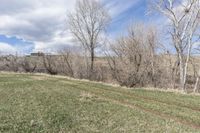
<point x="41" y="103"/>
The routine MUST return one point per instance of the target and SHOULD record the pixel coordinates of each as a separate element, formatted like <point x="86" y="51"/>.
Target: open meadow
<point x="42" y="103"/>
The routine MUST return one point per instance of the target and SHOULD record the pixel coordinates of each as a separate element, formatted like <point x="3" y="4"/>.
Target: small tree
<point x="50" y="64"/>
<point x="132" y="58"/>
<point x="12" y="62"/>
<point x="87" y="23"/>
<point x="67" y="62"/>
<point x="28" y="64"/>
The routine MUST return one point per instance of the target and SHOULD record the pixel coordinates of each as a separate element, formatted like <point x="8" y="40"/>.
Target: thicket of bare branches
<point x="51" y="64"/>
<point x="10" y="63"/>
<point x="133" y="59"/>
<point x="29" y="64"/>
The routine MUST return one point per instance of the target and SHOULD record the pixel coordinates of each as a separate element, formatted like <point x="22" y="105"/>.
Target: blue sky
<point x="40" y="25"/>
<point x="136" y="13"/>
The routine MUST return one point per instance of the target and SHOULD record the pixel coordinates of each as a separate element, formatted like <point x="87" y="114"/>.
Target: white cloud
<point x="59" y="41"/>
<point x="44" y="22"/>
<point x="38" y="21"/>
<point x="6" y="48"/>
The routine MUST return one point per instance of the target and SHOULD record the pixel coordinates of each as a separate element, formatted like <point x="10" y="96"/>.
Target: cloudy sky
<point x="41" y="25"/>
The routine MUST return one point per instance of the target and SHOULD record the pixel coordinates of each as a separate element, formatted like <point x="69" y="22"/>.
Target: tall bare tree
<point x="184" y="18"/>
<point x="87" y="23"/>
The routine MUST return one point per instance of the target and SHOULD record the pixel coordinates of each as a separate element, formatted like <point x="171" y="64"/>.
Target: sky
<point x="41" y="25"/>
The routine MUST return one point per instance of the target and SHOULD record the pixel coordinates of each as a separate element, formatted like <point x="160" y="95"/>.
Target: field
<point x="42" y="103"/>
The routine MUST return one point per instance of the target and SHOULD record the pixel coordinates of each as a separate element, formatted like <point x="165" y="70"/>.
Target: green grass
<point x="41" y="103"/>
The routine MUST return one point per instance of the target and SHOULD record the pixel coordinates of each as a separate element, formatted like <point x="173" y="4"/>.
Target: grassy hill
<point x="41" y="103"/>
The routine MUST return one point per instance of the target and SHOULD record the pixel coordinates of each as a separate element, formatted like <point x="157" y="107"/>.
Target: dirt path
<point x="156" y="113"/>
<point x="150" y="99"/>
<point x="133" y="106"/>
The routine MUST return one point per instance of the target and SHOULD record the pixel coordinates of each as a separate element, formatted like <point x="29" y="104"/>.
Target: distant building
<point x="37" y="54"/>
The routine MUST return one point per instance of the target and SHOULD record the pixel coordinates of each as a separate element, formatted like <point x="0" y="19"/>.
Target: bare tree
<point x="184" y="24"/>
<point x="12" y="62"/>
<point x="67" y="62"/>
<point x="133" y="59"/>
<point x="152" y="45"/>
<point x="50" y="64"/>
<point x="87" y="23"/>
<point x="196" y="70"/>
<point x="197" y="82"/>
<point x="28" y="64"/>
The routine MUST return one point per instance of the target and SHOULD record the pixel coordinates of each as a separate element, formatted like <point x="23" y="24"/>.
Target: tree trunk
<point x="197" y="82"/>
<point x="92" y="62"/>
<point x="153" y="67"/>
<point x="174" y="73"/>
<point x="196" y="85"/>
<point x="182" y="74"/>
<point x="182" y="83"/>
